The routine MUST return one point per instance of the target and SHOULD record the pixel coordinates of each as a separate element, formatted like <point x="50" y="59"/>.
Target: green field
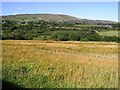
<point x="60" y="64"/>
<point x="85" y="25"/>
<point x="109" y="33"/>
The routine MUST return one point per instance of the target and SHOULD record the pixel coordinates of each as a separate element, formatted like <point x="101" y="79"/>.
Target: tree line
<point x="30" y="30"/>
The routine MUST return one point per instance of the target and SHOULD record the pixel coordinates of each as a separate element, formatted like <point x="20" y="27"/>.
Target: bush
<point x="111" y="38"/>
<point x="62" y="36"/>
<point x="28" y="36"/>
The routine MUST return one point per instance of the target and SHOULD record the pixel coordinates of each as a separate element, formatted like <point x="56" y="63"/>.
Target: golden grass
<point x="64" y="64"/>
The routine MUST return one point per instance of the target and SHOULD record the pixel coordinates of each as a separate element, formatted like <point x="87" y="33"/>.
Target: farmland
<point x="109" y="33"/>
<point x="60" y="64"/>
<point x="59" y="51"/>
<point x="61" y="28"/>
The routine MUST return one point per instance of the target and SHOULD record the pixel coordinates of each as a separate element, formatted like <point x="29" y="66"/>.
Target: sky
<point x="89" y="10"/>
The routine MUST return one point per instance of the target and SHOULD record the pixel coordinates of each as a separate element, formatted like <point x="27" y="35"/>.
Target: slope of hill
<point x="54" y="17"/>
<point x="46" y="17"/>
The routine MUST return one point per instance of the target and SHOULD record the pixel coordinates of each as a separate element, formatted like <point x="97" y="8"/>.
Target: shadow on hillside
<point x="8" y="85"/>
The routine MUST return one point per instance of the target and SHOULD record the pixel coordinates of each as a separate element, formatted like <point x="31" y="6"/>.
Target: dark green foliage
<point x="110" y="38"/>
<point x="60" y="35"/>
<point x="64" y="35"/>
<point x="61" y="31"/>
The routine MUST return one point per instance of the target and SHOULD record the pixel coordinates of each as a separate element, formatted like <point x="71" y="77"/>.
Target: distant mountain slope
<point x="54" y="17"/>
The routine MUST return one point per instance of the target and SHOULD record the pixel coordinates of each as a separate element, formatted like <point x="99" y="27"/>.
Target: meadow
<point x="60" y="64"/>
<point x="109" y="33"/>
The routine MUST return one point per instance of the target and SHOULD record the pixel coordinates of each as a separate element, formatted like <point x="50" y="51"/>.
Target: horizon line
<point x="59" y="14"/>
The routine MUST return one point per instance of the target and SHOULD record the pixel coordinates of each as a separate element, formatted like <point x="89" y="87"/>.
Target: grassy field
<point x="59" y="64"/>
<point x="87" y="25"/>
<point x="109" y="33"/>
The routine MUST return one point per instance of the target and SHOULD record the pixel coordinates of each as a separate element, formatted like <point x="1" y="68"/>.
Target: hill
<point x="57" y="27"/>
<point x="54" y="17"/>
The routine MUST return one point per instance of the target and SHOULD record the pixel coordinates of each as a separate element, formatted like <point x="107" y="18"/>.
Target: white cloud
<point x="19" y="8"/>
<point x="15" y="13"/>
<point x="59" y="13"/>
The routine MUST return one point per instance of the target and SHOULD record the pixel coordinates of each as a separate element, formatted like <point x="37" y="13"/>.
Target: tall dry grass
<point x="51" y="64"/>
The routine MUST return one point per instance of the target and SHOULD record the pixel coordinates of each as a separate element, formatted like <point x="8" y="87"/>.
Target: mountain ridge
<point x="55" y="18"/>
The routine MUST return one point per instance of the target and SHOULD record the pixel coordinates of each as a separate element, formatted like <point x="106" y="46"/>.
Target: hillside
<point x="53" y="17"/>
<point x="57" y="27"/>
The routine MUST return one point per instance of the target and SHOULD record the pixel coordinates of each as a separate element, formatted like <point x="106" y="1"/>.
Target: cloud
<point x="19" y="8"/>
<point x="60" y="13"/>
<point x="15" y="13"/>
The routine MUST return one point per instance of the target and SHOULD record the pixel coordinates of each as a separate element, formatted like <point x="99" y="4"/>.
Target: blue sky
<point x="89" y="10"/>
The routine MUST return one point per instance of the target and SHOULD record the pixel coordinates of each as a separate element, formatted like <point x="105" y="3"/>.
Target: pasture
<point x="60" y="64"/>
<point x="109" y="33"/>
